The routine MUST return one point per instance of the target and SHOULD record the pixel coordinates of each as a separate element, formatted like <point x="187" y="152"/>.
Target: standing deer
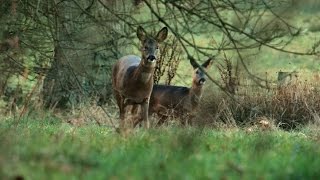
<point x="132" y="79"/>
<point x="178" y="101"/>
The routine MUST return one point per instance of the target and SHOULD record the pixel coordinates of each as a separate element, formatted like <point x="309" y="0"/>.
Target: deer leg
<point x="122" y="112"/>
<point x="128" y="119"/>
<point x="122" y="117"/>
<point x="126" y="114"/>
<point x="120" y="103"/>
<point x="145" y="110"/>
<point x="125" y="125"/>
<point x="137" y="110"/>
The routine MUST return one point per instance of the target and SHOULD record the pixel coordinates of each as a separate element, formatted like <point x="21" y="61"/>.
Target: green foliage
<point x="41" y="149"/>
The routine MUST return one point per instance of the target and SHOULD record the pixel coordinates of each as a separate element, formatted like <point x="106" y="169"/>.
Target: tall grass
<point x="287" y="107"/>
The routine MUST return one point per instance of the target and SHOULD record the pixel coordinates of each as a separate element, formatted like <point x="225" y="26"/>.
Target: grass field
<point x="51" y="149"/>
<point x="54" y="147"/>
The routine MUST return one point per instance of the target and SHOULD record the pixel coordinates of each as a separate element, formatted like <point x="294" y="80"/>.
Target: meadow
<point x="267" y="133"/>
<point x="49" y="148"/>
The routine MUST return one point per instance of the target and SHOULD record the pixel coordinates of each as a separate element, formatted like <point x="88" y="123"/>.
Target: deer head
<point x="199" y="77"/>
<point x="149" y="45"/>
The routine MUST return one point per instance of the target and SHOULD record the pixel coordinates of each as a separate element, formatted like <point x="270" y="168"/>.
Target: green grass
<point x="51" y="149"/>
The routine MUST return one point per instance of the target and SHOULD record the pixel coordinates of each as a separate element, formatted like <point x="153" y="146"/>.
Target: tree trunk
<point x="84" y="53"/>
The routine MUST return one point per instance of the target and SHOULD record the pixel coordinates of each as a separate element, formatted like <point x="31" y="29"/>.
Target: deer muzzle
<point x="151" y="58"/>
<point x="202" y="81"/>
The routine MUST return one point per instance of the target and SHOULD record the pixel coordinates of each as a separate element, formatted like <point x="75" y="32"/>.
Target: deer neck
<point x="144" y="73"/>
<point x="195" y="94"/>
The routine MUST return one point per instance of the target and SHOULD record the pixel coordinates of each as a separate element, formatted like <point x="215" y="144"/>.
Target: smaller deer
<point x="178" y="101"/>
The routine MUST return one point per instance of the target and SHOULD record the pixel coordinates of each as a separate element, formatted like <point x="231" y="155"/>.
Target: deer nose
<point x="202" y="81"/>
<point x="151" y="58"/>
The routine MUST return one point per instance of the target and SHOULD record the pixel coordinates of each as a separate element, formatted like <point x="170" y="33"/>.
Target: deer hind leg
<point x="122" y="117"/>
<point x="122" y="111"/>
<point x="126" y="124"/>
<point x="120" y="103"/>
<point x="125" y="106"/>
<point x="137" y="111"/>
<point x="127" y="117"/>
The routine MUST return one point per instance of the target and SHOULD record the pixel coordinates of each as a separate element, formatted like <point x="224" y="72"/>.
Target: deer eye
<point x="145" y="48"/>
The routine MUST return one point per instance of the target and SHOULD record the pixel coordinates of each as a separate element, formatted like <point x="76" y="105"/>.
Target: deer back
<point x="165" y="97"/>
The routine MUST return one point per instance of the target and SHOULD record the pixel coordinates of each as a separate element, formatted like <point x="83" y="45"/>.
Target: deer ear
<point x="193" y="63"/>
<point x="141" y="33"/>
<point x="208" y="63"/>
<point x="162" y="34"/>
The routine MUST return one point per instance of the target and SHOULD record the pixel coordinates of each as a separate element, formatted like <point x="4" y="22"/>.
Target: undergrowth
<point x="288" y="107"/>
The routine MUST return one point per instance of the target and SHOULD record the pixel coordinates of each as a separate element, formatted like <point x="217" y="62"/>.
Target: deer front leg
<point x="121" y="114"/>
<point x="145" y="110"/>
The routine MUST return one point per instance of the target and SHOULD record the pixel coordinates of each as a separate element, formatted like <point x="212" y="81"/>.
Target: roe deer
<point x="132" y="79"/>
<point x="178" y="100"/>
